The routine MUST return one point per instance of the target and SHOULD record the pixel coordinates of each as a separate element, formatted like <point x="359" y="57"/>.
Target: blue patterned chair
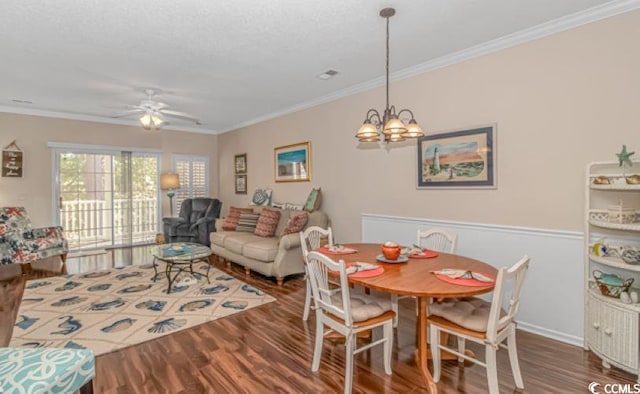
<point x="46" y="370"/>
<point x="22" y="244"/>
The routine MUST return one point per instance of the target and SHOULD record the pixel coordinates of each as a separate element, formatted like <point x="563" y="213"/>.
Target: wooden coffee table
<point x="178" y="261"/>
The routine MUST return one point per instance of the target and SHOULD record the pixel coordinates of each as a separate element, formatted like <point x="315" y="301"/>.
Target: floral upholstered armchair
<point x="22" y="244"/>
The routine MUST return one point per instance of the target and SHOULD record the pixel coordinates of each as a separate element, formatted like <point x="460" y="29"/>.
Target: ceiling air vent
<point x="18" y="101"/>
<point x="327" y="74"/>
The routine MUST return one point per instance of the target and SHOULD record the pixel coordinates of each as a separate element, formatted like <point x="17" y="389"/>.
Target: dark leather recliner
<point x="196" y="220"/>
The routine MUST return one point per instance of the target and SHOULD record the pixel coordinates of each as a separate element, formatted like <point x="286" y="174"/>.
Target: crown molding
<point x="554" y="26"/>
<point x="94" y="118"/>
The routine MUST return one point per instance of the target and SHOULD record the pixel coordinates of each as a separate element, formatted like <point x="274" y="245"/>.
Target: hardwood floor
<point x="269" y="349"/>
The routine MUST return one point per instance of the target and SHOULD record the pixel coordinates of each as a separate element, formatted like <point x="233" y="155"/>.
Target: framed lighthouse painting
<point x="458" y="159"/>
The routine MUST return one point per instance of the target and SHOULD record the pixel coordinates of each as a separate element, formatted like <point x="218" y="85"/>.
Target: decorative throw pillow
<point x="262" y="197"/>
<point x="279" y="205"/>
<point x="295" y="224"/>
<point x="267" y="223"/>
<point x="231" y="221"/>
<point x="248" y="222"/>
<point x="289" y="206"/>
<point x="314" y="200"/>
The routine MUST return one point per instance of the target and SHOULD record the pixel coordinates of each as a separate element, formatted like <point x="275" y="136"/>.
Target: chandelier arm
<point x="406" y="110"/>
<point x="374" y="114"/>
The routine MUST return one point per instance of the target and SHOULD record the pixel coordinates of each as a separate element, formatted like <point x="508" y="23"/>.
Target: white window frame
<point x="181" y="157"/>
<point x="61" y="147"/>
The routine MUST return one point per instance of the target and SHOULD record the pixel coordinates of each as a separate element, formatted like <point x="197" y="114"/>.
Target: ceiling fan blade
<point x="178" y="114"/>
<point x="128" y="113"/>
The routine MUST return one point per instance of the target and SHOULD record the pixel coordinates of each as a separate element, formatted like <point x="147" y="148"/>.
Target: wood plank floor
<point x="269" y="349"/>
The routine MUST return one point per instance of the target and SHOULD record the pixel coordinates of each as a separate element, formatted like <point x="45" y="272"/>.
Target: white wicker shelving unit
<point x="612" y="328"/>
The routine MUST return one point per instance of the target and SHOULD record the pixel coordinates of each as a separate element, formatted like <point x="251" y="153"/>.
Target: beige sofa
<point x="273" y="257"/>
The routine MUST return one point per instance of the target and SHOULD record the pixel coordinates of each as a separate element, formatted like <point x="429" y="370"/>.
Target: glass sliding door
<point x="107" y="198"/>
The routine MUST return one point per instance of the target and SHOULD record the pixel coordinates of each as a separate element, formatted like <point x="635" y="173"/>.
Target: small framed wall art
<point x="241" y="184"/>
<point x="12" y="161"/>
<point x="458" y="159"/>
<point x="292" y="162"/>
<point x="240" y="163"/>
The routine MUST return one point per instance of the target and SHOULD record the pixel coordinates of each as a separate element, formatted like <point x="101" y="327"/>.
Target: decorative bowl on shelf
<point x="391" y="250"/>
<point x="601" y="180"/>
<point x="630" y="255"/>
<point x="633" y="180"/>
<point x="611" y="285"/>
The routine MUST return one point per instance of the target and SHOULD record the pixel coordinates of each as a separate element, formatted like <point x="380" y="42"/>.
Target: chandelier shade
<point x="151" y="120"/>
<point x="390" y="125"/>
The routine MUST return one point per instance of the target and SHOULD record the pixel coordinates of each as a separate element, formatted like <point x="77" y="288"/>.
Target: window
<point x="106" y="197"/>
<point x="194" y="178"/>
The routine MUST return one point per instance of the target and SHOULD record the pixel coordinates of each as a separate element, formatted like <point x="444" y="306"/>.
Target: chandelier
<point x="392" y="127"/>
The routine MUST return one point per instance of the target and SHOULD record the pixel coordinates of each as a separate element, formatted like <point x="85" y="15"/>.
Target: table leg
<point x="422" y="352"/>
<point x="208" y="269"/>
<point x="168" y="272"/>
<point x="155" y="269"/>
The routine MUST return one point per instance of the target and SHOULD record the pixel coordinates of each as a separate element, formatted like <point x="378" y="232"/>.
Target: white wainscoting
<point x="553" y="295"/>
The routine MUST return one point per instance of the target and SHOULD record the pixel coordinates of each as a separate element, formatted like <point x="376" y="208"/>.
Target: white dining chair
<point x="346" y="314"/>
<point x="436" y="239"/>
<point x="310" y="239"/>
<point x="482" y="322"/>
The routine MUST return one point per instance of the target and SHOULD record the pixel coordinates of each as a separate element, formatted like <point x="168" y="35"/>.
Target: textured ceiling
<point x="229" y="62"/>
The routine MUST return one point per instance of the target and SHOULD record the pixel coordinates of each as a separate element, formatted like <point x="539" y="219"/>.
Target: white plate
<point x="401" y="259"/>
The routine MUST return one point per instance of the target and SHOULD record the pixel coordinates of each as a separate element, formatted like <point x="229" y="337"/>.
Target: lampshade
<point x="413" y="130"/>
<point x="394" y="127"/>
<point x="151" y="121"/>
<point x="370" y="139"/>
<point x="169" y="181"/>
<point x="367" y="130"/>
<point x="396" y="138"/>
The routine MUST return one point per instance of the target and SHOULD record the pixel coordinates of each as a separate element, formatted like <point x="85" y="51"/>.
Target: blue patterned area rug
<point x="108" y="310"/>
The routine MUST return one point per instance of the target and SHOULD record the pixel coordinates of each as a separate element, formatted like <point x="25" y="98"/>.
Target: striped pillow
<point x="231" y="221"/>
<point x="247" y="222"/>
<point x="267" y="223"/>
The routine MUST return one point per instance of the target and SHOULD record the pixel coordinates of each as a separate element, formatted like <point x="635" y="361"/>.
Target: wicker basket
<point x="610" y="290"/>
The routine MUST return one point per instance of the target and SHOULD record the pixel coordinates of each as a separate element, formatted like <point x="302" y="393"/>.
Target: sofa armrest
<point x="290" y="241"/>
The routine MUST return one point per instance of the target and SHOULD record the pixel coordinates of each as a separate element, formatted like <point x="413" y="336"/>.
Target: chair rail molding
<point x="553" y="294"/>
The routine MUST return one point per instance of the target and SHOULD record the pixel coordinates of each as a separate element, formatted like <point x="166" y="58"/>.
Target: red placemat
<point x="325" y="250"/>
<point x="427" y="254"/>
<point x="464" y="282"/>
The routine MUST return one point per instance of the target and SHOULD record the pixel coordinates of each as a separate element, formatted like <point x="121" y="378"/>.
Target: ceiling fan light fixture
<point x="145" y="120"/>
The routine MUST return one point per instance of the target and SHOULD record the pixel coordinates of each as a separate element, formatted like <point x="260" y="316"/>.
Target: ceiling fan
<point x="154" y="113"/>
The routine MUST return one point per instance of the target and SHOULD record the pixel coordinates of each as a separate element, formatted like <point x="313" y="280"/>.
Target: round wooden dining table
<point x="415" y="278"/>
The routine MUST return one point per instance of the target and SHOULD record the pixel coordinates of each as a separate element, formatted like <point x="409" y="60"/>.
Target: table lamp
<point x="170" y="181"/>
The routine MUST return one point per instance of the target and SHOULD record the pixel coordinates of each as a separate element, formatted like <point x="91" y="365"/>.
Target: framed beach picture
<point x="241" y="184"/>
<point x="458" y="159"/>
<point x="292" y="162"/>
<point x="240" y="163"/>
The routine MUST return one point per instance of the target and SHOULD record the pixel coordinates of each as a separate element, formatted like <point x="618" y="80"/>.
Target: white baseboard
<point x="545" y="332"/>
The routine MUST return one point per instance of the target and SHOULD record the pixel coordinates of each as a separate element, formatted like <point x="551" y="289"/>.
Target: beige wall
<point x="32" y="133"/>
<point x="559" y="103"/>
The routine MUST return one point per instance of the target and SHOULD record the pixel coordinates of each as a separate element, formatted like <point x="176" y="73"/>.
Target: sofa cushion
<point x="284" y="217"/>
<point x="295" y="223"/>
<point x="231" y="221"/>
<point x="218" y="237"/>
<point x="265" y="249"/>
<point x="318" y="218"/>
<point x="234" y="242"/>
<point x="267" y="222"/>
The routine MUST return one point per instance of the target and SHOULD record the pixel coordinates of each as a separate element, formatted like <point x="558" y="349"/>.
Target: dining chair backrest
<point x="311" y="237"/>
<point x="513" y="276"/>
<point x="319" y="267"/>
<point x="437" y="239"/>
